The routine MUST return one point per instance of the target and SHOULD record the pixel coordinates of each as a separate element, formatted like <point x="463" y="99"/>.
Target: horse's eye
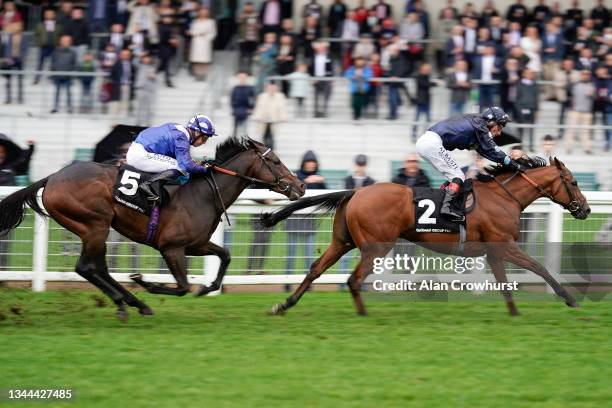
<point x="574" y="183"/>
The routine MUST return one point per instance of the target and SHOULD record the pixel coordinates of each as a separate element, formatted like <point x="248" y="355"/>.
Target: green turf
<point x="225" y="352"/>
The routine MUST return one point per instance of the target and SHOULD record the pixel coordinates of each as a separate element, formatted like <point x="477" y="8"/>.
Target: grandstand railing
<point x="40" y="250"/>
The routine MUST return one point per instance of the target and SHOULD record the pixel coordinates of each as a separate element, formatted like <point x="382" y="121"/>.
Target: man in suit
<point x="321" y="67"/>
<point x="552" y="53"/>
<point x="122" y="76"/>
<point x="486" y="69"/>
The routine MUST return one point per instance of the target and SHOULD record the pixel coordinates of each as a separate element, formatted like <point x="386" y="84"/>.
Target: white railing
<point x="41" y="256"/>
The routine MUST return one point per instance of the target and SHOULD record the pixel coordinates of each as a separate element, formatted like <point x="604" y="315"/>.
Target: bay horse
<point x="372" y="218"/>
<point x="80" y="198"/>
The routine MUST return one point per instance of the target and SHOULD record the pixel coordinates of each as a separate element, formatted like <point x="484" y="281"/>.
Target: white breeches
<point x="138" y="157"/>
<point x="429" y="146"/>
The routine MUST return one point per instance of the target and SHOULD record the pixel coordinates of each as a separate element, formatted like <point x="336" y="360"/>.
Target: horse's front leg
<point x="175" y="258"/>
<point x="211" y="248"/>
<point x="499" y="271"/>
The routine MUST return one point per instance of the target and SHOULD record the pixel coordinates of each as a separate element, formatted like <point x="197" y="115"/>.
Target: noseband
<point x="573" y="206"/>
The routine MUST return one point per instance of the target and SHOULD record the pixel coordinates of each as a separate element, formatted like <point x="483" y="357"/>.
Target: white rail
<point x="39" y="274"/>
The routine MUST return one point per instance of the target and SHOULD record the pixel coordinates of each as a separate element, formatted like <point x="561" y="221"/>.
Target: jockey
<point x="165" y="150"/>
<point x="466" y="132"/>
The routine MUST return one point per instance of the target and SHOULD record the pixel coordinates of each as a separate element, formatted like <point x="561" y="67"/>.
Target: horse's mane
<point x="231" y="146"/>
<point x="528" y="162"/>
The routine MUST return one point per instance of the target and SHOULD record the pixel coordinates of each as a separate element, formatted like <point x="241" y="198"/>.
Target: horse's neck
<point x="525" y="192"/>
<point x="230" y="187"/>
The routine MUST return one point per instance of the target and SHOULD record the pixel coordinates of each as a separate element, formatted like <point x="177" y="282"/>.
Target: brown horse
<point x="372" y="218"/>
<point x="80" y="198"/>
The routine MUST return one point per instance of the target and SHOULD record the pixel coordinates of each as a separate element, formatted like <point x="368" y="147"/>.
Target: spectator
<point x="486" y="69"/>
<point x="459" y="84"/>
<point x="514" y="34"/>
<point x="572" y="20"/>
<point x="585" y="60"/>
<point x="117" y="37"/>
<point x="517" y="12"/>
<point x="581" y="113"/>
<point x="382" y="10"/>
<point x="310" y="33"/>
<point x="285" y="59"/>
<point x="270" y="109"/>
<point x="359" y="75"/>
<point x="203" y="31"/>
<point x="320" y="68"/>
<point x="540" y="15"/>
<point x="469" y="12"/>
<point x="65" y="12"/>
<point x="423" y="96"/>
<point x="248" y="34"/>
<point x="138" y="44"/>
<point x="375" y="86"/>
<point x="243" y="101"/>
<point x="335" y="18"/>
<point x="303" y="226"/>
<point x="312" y="9"/>
<point x="271" y="17"/>
<point x="168" y="42"/>
<point x="63" y="59"/>
<point x="349" y="34"/>
<point x="548" y="146"/>
<point x="600" y="15"/>
<point x="266" y="59"/>
<point x="122" y="77"/>
<point x="450" y="10"/>
<point x="602" y="103"/>
<point x="411" y="174"/>
<point x="143" y="17"/>
<point x="359" y="177"/>
<point x="87" y="66"/>
<point x="470" y="38"/>
<point x="145" y="90"/>
<point x="526" y="105"/>
<point x="565" y="78"/>
<point x="444" y="29"/>
<point x="488" y="12"/>
<point x="47" y="34"/>
<point x="476" y="170"/>
<point x="510" y="77"/>
<point x="516" y="152"/>
<point x="553" y="48"/>
<point x="300" y="87"/>
<point x="364" y="48"/>
<point x="98" y="15"/>
<point x="455" y="46"/>
<point x="9" y="15"/>
<point x="496" y="29"/>
<point x="13" y="161"/>
<point x="423" y="16"/>
<point x="396" y="71"/>
<point x="532" y="46"/>
<point x="13" y="49"/>
<point x="78" y="29"/>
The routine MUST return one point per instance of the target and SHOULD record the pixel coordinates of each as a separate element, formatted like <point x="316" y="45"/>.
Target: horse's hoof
<point x="146" y="311"/>
<point x="277" y="310"/>
<point x="122" y="315"/>
<point x="136" y="277"/>
<point x="202" y="290"/>
<point x="572" y="303"/>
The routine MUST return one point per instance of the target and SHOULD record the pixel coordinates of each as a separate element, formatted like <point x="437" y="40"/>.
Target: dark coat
<point x="420" y="180"/>
<point x="459" y="94"/>
<point x="116" y="76"/>
<point x="243" y="100"/>
<point x="302" y="223"/>
<point x="337" y="14"/>
<point x="423" y="95"/>
<point x="78" y="30"/>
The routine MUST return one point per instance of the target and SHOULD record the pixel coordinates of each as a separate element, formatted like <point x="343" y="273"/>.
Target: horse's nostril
<point x="588" y="211"/>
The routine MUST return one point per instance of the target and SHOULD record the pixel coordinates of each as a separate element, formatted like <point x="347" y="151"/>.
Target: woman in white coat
<point x="203" y="31"/>
<point x="532" y="46"/>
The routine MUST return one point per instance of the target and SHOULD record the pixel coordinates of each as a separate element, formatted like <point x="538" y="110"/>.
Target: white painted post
<point x="212" y="262"/>
<point x="39" y="253"/>
<point x="554" y="239"/>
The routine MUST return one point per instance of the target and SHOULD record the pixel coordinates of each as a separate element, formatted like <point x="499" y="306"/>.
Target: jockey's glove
<point x="514" y="165"/>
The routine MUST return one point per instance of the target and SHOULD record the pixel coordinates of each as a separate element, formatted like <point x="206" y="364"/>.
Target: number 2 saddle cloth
<point x="128" y="193"/>
<point x="427" y="205"/>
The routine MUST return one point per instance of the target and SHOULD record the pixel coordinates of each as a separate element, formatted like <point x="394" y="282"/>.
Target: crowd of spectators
<point x="489" y="56"/>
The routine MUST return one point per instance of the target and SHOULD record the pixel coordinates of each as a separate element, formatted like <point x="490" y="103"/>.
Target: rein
<point x="572" y="206"/>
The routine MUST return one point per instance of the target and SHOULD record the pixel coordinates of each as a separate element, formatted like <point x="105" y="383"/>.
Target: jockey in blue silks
<point x="472" y="132"/>
<point x="165" y="150"/>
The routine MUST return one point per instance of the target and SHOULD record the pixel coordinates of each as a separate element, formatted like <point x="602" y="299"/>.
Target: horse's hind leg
<point x="499" y="271"/>
<point x="175" y="259"/>
<point x="364" y="268"/>
<point x="329" y="257"/>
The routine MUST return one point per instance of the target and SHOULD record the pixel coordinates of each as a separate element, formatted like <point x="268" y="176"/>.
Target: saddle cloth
<point x="427" y="205"/>
<point x="127" y="193"/>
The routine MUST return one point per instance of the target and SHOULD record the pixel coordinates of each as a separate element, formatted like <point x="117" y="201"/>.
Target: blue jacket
<point x="359" y="84"/>
<point x="469" y="132"/>
<point x="170" y="140"/>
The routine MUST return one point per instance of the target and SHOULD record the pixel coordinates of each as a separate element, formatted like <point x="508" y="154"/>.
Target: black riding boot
<point x="163" y="177"/>
<point x="447" y="208"/>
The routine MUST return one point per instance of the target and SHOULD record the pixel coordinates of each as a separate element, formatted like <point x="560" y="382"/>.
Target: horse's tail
<point x="12" y="208"/>
<point x="329" y="202"/>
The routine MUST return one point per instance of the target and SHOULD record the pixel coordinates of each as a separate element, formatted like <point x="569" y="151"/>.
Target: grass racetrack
<point x="225" y="352"/>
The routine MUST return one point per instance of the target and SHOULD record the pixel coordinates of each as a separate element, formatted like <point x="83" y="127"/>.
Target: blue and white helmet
<point x="495" y="115"/>
<point x="201" y="123"/>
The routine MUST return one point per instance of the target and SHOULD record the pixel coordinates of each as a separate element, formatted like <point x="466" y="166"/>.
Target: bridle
<point x="279" y="179"/>
<point x="573" y="206"/>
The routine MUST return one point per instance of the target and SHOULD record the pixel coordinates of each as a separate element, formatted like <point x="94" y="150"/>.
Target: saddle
<point x="127" y="192"/>
<point x="427" y="205"/>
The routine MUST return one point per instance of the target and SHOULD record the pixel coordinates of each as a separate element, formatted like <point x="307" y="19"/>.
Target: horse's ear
<point x="558" y="163"/>
<point x="250" y="142"/>
<point x="550" y="161"/>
